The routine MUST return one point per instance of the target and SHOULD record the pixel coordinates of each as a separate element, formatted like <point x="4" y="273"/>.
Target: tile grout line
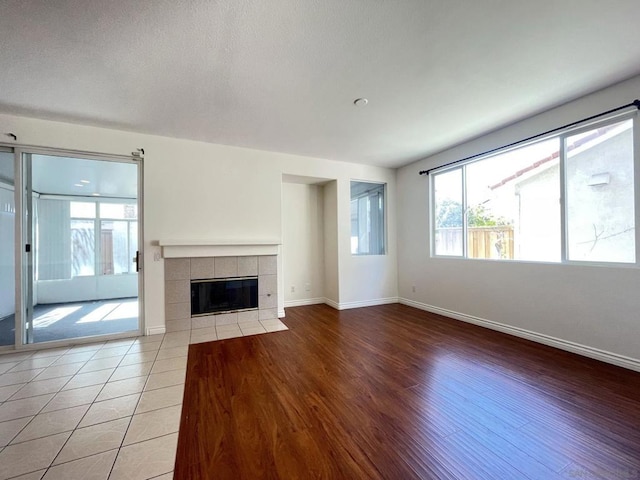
<point x="34" y="416"/>
<point x="37" y="413"/>
<point x="94" y="402"/>
<point x="76" y="459"/>
<point x="134" y="411"/>
<point x="102" y="346"/>
<point x="137" y="443"/>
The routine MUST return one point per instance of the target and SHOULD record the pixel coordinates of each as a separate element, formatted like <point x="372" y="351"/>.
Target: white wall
<point x="596" y="307"/>
<point x="90" y="287"/>
<point x="331" y="251"/>
<point x="7" y="252"/>
<point x="303" y="243"/>
<point x="200" y="191"/>
<point x="370" y="276"/>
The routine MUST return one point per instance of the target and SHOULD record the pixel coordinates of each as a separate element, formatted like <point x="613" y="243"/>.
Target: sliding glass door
<point x="81" y="234"/>
<point x="7" y="248"/>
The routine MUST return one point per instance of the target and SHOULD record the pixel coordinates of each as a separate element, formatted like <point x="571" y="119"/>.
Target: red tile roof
<point x="578" y="143"/>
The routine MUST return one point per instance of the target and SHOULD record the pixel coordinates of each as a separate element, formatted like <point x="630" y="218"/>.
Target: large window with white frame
<point x="566" y="198"/>
<point x="78" y="238"/>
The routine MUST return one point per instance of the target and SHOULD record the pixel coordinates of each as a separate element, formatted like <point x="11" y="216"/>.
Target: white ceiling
<point x="281" y="75"/>
<point x="54" y="175"/>
<point x="81" y="177"/>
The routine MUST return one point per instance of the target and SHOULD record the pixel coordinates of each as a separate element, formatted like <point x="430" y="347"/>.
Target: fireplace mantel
<point x="217" y="248"/>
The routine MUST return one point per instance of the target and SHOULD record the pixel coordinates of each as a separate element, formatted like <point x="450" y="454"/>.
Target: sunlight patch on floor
<point x="123" y="311"/>
<point x="53" y="316"/>
<point x="99" y="313"/>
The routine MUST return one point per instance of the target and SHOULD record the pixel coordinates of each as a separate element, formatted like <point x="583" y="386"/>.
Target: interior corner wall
<point x="330" y="243"/>
<point x="591" y="309"/>
<point x="303" y="243"/>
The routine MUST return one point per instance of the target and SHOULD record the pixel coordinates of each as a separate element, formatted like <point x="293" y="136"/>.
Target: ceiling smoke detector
<point x="360" y="102"/>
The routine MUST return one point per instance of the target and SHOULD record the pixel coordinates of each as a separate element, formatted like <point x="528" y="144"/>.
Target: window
<point x="119" y="237"/>
<point x="367" y="218"/>
<point x="600" y="194"/>
<point x="448" y="215"/>
<point x="513" y="204"/>
<point x="516" y="204"/>
<point x="114" y="226"/>
<point x="83" y="250"/>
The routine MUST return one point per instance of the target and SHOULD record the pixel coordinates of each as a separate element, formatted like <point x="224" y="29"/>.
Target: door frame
<point x="20" y="260"/>
<point x="11" y="149"/>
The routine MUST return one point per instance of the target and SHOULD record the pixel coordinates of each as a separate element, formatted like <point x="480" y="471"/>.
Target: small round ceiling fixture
<point x="360" y="102"/>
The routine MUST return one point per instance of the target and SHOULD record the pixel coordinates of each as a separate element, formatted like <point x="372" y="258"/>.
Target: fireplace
<point x="222" y="295"/>
<point x="182" y="272"/>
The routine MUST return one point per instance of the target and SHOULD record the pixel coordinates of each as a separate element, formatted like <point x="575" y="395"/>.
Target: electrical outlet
<point x="413" y="289"/>
<point x="156" y="257"/>
<point x="293" y="289"/>
<point x="307" y="287"/>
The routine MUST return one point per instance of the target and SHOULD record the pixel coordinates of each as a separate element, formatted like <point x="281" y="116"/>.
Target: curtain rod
<point x="635" y="103"/>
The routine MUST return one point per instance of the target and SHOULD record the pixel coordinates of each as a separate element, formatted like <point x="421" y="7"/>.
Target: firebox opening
<point x="223" y="295"/>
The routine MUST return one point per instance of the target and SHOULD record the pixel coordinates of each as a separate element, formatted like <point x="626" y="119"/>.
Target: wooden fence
<point x="482" y="242"/>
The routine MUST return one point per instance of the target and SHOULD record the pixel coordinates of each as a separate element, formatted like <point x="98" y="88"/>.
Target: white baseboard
<point x="303" y="302"/>
<point x="155" y="330"/>
<point x="332" y="303"/>
<point x="360" y="304"/>
<point x="367" y="303"/>
<point x="281" y="313"/>
<point x="602" y="355"/>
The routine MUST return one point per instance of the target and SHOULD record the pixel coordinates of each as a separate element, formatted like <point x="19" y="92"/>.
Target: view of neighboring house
<point x="518" y="217"/>
<point x="599" y="201"/>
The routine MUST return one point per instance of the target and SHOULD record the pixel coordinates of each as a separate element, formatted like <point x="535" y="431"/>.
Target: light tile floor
<point x="108" y="410"/>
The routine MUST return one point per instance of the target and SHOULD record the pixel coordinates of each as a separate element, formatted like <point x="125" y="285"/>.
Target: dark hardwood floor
<point x="397" y="393"/>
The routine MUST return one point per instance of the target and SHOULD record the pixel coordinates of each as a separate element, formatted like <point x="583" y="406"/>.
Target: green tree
<point x="477" y="216"/>
<point x="449" y="214"/>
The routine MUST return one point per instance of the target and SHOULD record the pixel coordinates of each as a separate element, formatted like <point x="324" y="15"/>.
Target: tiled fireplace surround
<point x="178" y="273"/>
